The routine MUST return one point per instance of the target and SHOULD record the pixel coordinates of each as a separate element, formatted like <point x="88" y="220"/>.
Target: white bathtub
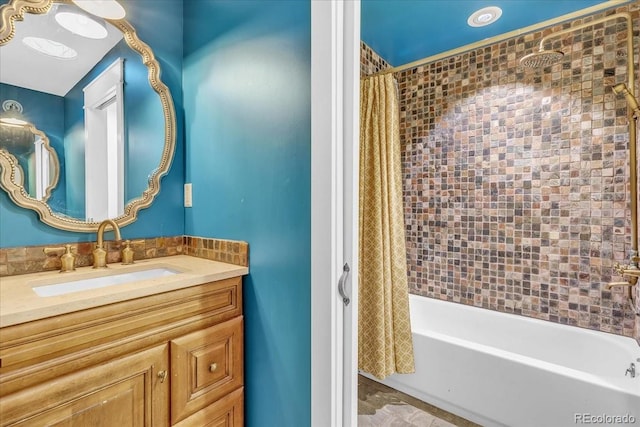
<point x="505" y="370"/>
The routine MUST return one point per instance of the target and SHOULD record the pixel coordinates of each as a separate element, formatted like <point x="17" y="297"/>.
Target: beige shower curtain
<point x="384" y="337"/>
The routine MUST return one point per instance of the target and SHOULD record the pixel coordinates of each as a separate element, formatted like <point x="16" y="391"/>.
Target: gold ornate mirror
<point x="95" y="97"/>
<point x="30" y="163"/>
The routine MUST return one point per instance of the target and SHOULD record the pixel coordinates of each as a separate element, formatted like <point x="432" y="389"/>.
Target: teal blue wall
<point x="159" y="24"/>
<point x="247" y="84"/>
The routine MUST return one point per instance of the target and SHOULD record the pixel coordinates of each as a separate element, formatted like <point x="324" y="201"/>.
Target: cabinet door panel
<point x="124" y="392"/>
<point x="226" y="412"/>
<point x="205" y="366"/>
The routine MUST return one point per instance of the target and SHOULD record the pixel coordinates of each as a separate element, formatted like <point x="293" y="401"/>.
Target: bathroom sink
<point x="71" y="286"/>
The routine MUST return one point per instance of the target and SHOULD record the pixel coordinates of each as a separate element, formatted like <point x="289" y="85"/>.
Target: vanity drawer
<point x="226" y="412"/>
<point x="205" y="366"/>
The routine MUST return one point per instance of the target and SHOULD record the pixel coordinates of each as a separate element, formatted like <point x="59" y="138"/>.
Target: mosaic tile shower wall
<point x="370" y="61"/>
<point x="516" y="194"/>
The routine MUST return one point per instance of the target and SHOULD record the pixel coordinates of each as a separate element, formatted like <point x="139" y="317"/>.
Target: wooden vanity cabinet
<point x="169" y="359"/>
<point x="124" y="392"/>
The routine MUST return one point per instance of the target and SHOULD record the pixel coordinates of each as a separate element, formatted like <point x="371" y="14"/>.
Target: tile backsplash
<point x="515" y="180"/>
<point x="32" y="259"/>
<point x="230" y="251"/>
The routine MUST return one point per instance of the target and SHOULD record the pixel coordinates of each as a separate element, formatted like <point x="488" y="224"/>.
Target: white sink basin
<point x="102" y="281"/>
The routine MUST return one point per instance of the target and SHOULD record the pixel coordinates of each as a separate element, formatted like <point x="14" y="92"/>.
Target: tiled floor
<point x="381" y="406"/>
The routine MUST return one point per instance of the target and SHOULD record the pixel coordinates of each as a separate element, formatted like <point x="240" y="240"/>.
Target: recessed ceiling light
<point x="484" y="16"/>
<point x="50" y="47"/>
<point x="81" y="25"/>
<point x="108" y="9"/>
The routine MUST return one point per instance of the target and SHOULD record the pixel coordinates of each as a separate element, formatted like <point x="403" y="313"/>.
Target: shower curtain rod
<point x="486" y="42"/>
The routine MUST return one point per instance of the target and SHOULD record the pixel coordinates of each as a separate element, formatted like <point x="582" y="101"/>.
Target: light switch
<point x="188" y="202"/>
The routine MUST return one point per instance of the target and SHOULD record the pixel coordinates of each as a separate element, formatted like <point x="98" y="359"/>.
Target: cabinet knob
<point x="162" y="375"/>
<point x="213" y="367"/>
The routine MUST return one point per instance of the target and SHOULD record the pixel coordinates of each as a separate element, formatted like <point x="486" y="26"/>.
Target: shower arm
<point x="630" y="52"/>
<point x="631" y="116"/>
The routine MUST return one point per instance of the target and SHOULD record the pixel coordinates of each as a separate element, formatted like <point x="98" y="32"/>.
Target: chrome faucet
<point x="631" y="370"/>
<point x="99" y="253"/>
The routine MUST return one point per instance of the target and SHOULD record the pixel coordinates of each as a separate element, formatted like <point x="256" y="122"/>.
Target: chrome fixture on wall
<point x="545" y="58"/>
<point x="12" y="113"/>
<point x="14" y="135"/>
<point x="631" y="370"/>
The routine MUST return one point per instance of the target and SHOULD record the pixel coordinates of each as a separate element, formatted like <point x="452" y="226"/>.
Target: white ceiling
<point x="25" y="67"/>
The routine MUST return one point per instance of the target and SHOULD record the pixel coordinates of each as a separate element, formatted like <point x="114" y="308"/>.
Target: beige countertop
<point x="19" y="303"/>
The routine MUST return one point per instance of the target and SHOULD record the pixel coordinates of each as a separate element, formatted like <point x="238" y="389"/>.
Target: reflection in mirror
<point x="35" y="163"/>
<point x="104" y="156"/>
<point x="93" y="89"/>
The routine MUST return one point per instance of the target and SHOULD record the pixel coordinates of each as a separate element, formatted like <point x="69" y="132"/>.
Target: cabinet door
<point x="226" y="412"/>
<point x="132" y="391"/>
<point x="205" y="366"/>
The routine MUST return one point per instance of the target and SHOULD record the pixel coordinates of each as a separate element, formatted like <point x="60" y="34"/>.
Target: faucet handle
<point x="57" y="251"/>
<point x="619" y="268"/>
<point x="127" y="253"/>
<point x="99" y="257"/>
<point x="67" y="258"/>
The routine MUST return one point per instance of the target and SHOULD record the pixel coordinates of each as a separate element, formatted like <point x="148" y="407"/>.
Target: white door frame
<point x="104" y="143"/>
<point x="335" y="61"/>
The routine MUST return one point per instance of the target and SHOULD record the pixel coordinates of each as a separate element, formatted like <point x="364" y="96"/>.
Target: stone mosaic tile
<point x="370" y="61"/>
<point x="515" y="180"/>
<point x="230" y="251"/>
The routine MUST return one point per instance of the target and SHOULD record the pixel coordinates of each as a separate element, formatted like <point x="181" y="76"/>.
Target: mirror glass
<point x="36" y="164"/>
<point x="82" y="83"/>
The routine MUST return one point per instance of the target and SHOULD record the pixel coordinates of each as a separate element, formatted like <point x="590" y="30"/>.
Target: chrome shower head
<point x="622" y="88"/>
<point x="542" y="58"/>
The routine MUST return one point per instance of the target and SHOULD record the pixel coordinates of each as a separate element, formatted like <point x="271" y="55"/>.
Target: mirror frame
<point x="9" y="164"/>
<point x="14" y="11"/>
